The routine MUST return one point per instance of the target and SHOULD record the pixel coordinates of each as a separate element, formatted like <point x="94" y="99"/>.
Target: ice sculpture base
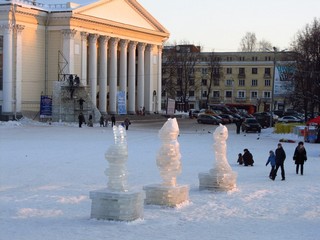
<point x="217" y="181"/>
<point x="170" y="196"/>
<point x="117" y="206"/>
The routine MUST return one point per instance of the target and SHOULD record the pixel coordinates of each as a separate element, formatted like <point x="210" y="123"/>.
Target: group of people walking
<point x="103" y="121"/>
<point x="276" y="160"/>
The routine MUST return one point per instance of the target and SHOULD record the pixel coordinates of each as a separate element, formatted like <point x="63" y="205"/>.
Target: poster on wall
<point x="46" y="106"/>
<point x="122" y="109"/>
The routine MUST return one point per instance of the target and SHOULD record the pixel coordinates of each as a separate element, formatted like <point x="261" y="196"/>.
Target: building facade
<point x="113" y="46"/>
<point x="238" y="79"/>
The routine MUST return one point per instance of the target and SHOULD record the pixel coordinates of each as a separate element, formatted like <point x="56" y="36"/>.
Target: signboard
<point x="122" y="109"/>
<point x="46" y="106"/>
<point x="171" y="103"/>
<point x="283" y="78"/>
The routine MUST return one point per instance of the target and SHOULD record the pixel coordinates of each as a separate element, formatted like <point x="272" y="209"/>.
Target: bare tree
<point x="215" y="71"/>
<point x="307" y="75"/>
<point x="179" y="67"/>
<point x="248" y="42"/>
<point x="263" y="45"/>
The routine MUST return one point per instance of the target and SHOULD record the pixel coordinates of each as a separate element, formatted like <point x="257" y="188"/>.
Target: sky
<point x="47" y="172"/>
<point x="220" y="25"/>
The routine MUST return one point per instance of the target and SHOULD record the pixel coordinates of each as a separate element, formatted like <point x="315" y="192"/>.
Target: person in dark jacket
<point x="81" y="119"/>
<point x="280" y="157"/>
<point x="127" y="123"/>
<point x="113" y="120"/>
<point x="240" y="159"/>
<point x="247" y="158"/>
<point x="300" y="156"/>
<point x="272" y="161"/>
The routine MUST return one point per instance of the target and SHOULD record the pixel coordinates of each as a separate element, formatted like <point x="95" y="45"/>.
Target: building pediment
<point x="128" y="12"/>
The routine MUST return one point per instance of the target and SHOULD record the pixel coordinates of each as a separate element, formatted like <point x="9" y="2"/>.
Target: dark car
<point x="250" y="125"/>
<point x="208" y="119"/>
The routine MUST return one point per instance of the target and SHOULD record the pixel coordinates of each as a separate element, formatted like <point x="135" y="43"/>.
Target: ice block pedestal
<point x="169" y="193"/>
<point x="221" y="176"/>
<point x="117" y="202"/>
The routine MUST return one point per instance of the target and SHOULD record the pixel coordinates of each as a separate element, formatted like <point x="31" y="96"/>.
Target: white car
<point x="290" y="119"/>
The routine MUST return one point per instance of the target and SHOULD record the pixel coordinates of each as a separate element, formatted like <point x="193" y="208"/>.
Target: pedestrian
<point x="247" y="158"/>
<point x="81" y="119"/>
<point x="101" y="121"/>
<point x="81" y="101"/>
<point x="272" y="161"/>
<point x="77" y="80"/>
<point x="300" y="156"/>
<point x="280" y="157"/>
<point x="113" y="120"/>
<point x="240" y="159"/>
<point x="127" y="123"/>
<point x="238" y="125"/>
<point x="90" y="121"/>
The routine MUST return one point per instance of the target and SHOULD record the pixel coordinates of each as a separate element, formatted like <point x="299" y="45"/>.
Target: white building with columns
<point x="112" y="45"/>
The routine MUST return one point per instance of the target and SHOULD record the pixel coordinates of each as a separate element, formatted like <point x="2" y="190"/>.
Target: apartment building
<point x="237" y="79"/>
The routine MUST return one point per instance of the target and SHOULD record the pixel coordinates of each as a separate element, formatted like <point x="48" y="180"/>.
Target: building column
<point x="123" y="69"/>
<point x="83" y="77"/>
<point x="68" y="48"/>
<point x="7" y="70"/>
<point x="148" y="80"/>
<point x="113" y="76"/>
<point x="159" y="81"/>
<point x="132" y="78"/>
<point x="103" y="47"/>
<point x="140" y="85"/>
<point x="19" y="29"/>
<point x="93" y="67"/>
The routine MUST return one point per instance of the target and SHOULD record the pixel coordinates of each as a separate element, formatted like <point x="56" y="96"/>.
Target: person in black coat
<point x="113" y="120"/>
<point x="300" y="156"/>
<point x="280" y="157"/>
<point x="247" y="158"/>
<point x="81" y="119"/>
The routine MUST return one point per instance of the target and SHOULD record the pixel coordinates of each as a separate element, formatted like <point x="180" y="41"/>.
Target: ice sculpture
<point x="117" y="202"/>
<point x="117" y="156"/>
<point x="221" y="176"/>
<point x="168" y="161"/>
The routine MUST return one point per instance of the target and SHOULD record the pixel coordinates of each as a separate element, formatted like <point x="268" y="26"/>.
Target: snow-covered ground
<point x="47" y="172"/>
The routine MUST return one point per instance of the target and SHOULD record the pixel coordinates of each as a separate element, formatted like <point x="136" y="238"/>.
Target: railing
<point x="42" y="5"/>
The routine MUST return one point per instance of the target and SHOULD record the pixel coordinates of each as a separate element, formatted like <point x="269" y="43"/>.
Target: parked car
<point x="251" y="125"/>
<point x="290" y="119"/>
<point x="227" y="116"/>
<point x="194" y="113"/>
<point x="208" y="119"/>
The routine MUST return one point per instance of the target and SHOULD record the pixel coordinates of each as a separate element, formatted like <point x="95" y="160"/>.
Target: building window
<point x="204" y="93"/>
<point x="241" y="58"/>
<point x="216" y="82"/>
<point x="191" y="81"/>
<point x="254" y="83"/>
<point x="267" y="71"/>
<point x="241" y="94"/>
<point x="179" y="93"/>
<point x="216" y="94"/>
<point x="229" y="59"/>
<point x="254" y="95"/>
<point x="267" y="94"/>
<point x="267" y="58"/>
<point x="229" y="83"/>
<point x="163" y="94"/>
<point x="229" y="70"/>
<point x="204" y="82"/>
<point x="204" y="70"/>
<point x="267" y="83"/>
<point x="254" y="58"/>
<point x="242" y="82"/>
<point x="228" y="94"/>
<point x="254" y="70"/>
<point x="241" y="71"/>
<point x="191" y="93"/>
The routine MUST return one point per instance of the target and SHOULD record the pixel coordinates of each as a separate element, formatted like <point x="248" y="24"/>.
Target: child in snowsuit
<point x="240" y="159"/>
<point x="272" y="161"/>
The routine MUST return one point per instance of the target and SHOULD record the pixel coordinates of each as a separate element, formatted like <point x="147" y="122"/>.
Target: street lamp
<point x="275" y="51"/>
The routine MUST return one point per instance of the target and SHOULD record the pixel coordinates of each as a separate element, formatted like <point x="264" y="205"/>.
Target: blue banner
<point x="46" y="106"/>
<point x="122" y="109"/>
